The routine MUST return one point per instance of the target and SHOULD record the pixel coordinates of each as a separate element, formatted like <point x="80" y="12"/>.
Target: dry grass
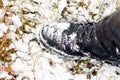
<point x="6" y="41"/>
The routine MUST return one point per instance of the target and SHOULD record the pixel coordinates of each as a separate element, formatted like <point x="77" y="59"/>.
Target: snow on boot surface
<point x="96" y="40"/>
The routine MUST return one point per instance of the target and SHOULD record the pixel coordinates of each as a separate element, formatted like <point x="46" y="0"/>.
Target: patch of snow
<point x="4" y="74"/>
<point x="16" y="20"/>
<point x="63" y="26"/>
<point x="3" y="27"/>
<point x="21" y="46"/>
<point x="107" y="72"/>
<point x="62" y="5"/>
<point x="19" y="66"/>
<point x="80" y="77"/>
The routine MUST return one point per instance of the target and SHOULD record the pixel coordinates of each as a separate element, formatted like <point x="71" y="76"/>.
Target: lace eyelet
<point x="81" y="40"/>
<point x="88" y="40"/>
<point x="95" y="38"/>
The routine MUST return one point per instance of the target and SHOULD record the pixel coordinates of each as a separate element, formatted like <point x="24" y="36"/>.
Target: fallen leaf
<point x="8" y="69"/>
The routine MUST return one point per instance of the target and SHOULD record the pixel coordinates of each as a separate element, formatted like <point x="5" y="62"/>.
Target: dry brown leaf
<point x="1" y="4"/>
<point x="64" y="10"/>
<point x="54" y="5"/>
<point x="8" y="69"/>
<point x="82" y="3"/>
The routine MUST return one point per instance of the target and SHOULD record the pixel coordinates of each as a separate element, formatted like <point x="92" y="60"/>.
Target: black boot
<point x="73" y="39"/>
<point x="108" y="34"/>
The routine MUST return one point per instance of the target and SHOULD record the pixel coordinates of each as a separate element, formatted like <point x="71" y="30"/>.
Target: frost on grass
<point x="22" y="56"/>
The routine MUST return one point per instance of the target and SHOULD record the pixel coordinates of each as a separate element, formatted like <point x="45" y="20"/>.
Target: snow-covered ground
<point x="22" y="58"/>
